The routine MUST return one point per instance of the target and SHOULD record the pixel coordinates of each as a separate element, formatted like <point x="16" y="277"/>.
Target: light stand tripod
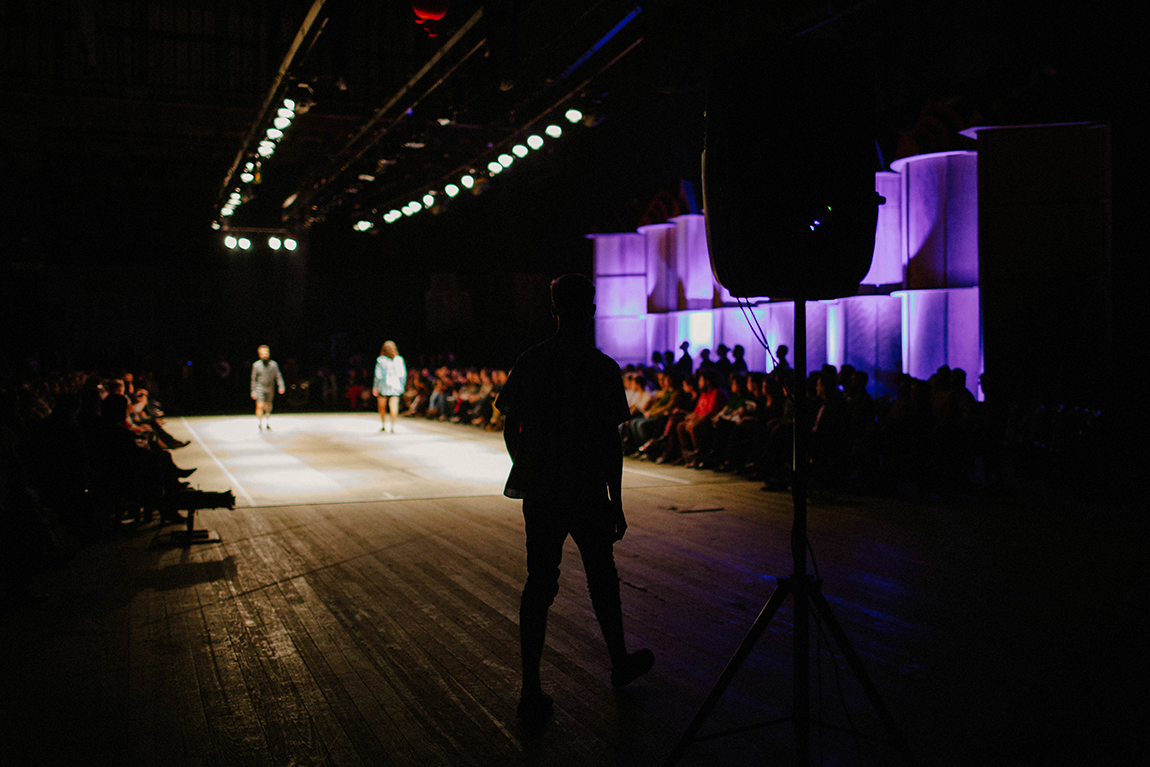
<point x="807" y="593"/>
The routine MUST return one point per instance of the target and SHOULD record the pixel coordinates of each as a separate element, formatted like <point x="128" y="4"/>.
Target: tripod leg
<point x="801" y="665"/>
<point x="733" y="666"/>
<point x="864" y="680"/>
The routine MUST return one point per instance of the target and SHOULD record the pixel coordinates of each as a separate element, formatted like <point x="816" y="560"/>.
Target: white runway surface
<point x="343" y="457"/>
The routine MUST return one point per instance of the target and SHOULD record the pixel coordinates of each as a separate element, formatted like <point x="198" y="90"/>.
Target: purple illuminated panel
<point x="693" y="261"/>
<point x="619" y="296"/>
<point x="942" y="327"/>
<point x="836" y="333"/>
<point x="623" y="338"/>
<point x="697" y="328"/>
<point x="940" y="214"/>
<point x="872" y="326"/>
<point x="886" y="263"/>
<point x="619" y="253"/>
<point x="659" y="338"/>
<point x="620" y="274"/>
<point x="816" y="335"/>
<point x="662" y="287"/>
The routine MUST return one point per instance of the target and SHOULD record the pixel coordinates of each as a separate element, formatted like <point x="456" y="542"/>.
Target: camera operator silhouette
<point x="563" y="402"/>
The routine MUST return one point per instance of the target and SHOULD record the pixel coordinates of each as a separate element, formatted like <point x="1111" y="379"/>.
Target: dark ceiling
<point x="171" y="96"/>
<point x="124" y="124"/>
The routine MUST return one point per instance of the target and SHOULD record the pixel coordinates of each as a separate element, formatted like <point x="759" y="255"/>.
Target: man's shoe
<point x="637" y="664"/>
<point x="535" y="710"/>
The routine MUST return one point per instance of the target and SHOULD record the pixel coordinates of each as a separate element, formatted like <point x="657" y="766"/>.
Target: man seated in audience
<point x="695" y="430"/>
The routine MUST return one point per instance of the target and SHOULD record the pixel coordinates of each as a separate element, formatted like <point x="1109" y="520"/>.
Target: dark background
<point x="111" y="171"/>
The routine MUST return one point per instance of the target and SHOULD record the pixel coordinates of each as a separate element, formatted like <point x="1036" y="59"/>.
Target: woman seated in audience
<point x="640" y="433"/>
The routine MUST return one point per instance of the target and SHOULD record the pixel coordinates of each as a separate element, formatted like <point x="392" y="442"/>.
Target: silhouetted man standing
<point x="563" y="403"/>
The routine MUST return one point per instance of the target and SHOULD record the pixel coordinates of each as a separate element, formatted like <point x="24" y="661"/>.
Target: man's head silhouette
<point x="573" y="298"/>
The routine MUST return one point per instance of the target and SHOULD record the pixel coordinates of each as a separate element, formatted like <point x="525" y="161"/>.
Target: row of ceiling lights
<point x="468" y="181"/>
<point x="266" y="148"/>
<point x="275" y="243"/>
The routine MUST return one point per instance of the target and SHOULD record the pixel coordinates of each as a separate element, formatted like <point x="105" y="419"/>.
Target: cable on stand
<point x="806" y="591"/>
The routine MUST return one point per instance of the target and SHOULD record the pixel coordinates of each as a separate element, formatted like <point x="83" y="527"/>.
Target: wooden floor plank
<point x="369" y="684"/>
<point x="387" y="633"/>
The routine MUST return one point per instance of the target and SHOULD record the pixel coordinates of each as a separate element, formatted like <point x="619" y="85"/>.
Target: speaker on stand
<point x="790" y="205"/>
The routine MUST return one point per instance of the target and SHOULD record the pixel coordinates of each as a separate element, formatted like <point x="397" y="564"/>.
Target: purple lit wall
<point x="655" y="288"/>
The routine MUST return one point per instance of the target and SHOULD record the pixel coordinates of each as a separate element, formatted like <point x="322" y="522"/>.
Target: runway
<point x="361" y="608"/>
<point x="345" y="458"/>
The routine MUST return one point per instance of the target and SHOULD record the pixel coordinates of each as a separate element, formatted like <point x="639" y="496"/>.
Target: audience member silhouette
<point x="685" y="365"/>
<point x="722" y="361"/>
<point x="738" y="364"/>
<point x="782" y="367"/>
<point x="563" y="402"/>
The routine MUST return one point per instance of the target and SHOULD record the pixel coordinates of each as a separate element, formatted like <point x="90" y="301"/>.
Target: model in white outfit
<point x="389" y="382"/>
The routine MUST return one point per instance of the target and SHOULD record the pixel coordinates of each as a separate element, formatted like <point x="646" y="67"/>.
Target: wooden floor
<point x="385" y="632"/>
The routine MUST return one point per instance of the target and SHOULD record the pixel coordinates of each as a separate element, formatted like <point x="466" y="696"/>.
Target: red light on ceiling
<point x="427" y="12"/>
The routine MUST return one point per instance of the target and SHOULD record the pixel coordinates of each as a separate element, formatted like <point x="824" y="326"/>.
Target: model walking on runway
<point x="389" y="382"/>
<point x="266" y="380"/>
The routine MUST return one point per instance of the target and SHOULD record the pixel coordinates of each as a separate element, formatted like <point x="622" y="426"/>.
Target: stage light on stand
<point x="281" y="122"/>
<point x="573" y="115"/>
<point x="494" y="168"/>
<point x="289" y="104"/>
<point x="216" y="225"/>
<point x="275" y="134"/>
<point x="451" y="190"/>
<point x="290" y="244"/>
<point x="534" y="141"/>
<point x="244" y="243"/>
<point x="266" y="151"/>
<point x="362" y="226"/>
<point x="429" y="199"/>
<point x="274" y="242"/>
<point x="505" y="160"/>
<point x="554" y="131"/>
<point x="467" y="181"/>
<point x="519" y="150"/>
<point x="231" y="242"/>
<point x="285" y="112"/>
<point x="247" y="177"/>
